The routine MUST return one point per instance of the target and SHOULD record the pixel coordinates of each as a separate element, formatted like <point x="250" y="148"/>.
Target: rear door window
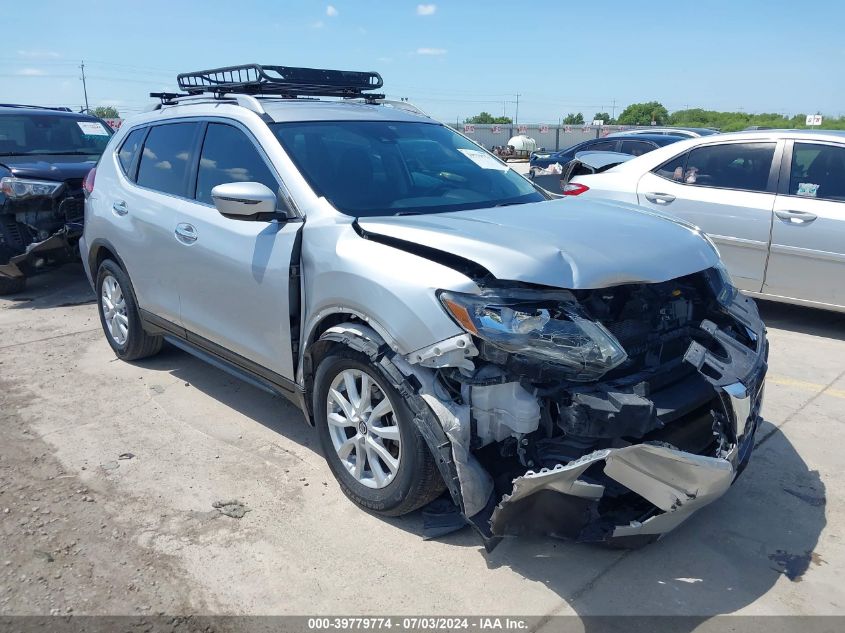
<point x="818" y="171"/>
<point x="636" y="148"/>
<point x="167" y="158"/>
<point x="228" y="155"/>
<point x="743" y="166"/>
<point x="600" y="146"/>
<point x="129" y="150"/>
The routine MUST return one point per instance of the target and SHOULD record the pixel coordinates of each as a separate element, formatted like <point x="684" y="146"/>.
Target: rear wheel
<point x="369" y="438"/>
<point x="119" y="315"/>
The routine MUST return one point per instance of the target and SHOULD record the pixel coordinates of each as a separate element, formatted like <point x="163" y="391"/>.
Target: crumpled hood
<point x="569" y="243"/>
<point x="50" y="167"/>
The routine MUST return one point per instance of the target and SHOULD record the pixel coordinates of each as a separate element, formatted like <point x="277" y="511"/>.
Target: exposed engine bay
<point x="597" y="415"/>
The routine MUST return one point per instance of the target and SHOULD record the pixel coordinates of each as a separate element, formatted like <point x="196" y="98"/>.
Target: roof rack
<point x="286" y="81"/>
<point x="35" y="107"/>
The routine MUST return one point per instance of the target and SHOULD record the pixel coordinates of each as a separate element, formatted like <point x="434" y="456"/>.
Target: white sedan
<point x="773" y="201"/>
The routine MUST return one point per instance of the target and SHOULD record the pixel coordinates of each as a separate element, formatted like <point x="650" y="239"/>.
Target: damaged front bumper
<point x="635" y="493"/>
<point x="60" y="246"/>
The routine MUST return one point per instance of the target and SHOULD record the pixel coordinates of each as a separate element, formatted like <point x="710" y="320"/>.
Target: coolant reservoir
<point x="502" y="410"/>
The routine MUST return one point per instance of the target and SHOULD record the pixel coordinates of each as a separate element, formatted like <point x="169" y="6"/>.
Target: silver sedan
<point x="773" y="202"/>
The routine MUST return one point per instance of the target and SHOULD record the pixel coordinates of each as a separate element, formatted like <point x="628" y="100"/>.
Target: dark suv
<point x="634" y="145"/>
<point x="45" y="155"/>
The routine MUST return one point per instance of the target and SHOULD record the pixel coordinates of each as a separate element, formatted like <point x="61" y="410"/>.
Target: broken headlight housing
<point x="19" y="188"/>
<point x="720" y="282"/>
<point x="547" y="325"/>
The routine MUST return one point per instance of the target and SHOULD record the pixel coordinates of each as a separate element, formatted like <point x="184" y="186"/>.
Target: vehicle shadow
<point x="813" y="321"/>
<point x="61" y="287"/>
<point x="274" y="412"/>
<point x="723" y="559"/>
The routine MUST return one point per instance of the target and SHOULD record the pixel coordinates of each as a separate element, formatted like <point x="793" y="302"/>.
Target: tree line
<point x="654" y="112"/>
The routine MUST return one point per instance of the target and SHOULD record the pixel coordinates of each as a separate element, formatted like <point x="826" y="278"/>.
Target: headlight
<point x="547" y="325"/>
<point x="721" y="283"/>
<point x="24" y="188"/>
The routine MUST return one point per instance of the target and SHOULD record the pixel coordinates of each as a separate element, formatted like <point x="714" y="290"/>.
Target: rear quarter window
<point x="129" y="150"/>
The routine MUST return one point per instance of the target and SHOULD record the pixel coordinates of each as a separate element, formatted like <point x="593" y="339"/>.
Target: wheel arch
<point x="317" y="346"/>
<point x="99" y="251"/>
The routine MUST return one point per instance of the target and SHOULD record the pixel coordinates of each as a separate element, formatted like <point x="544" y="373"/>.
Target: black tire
<point x="9" y="285"/>
<point x="417" y="480"/>
<point x="12" y="285"/>
<point x="138" y="343"/>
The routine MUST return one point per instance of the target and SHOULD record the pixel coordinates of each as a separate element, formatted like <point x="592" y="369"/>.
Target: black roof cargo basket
<point x="287" y="81"/>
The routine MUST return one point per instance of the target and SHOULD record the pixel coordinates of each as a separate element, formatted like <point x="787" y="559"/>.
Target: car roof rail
<point x="285" y="81"/>
<point x="406" y="106"/>
<point x="35" y="107"/>
<point x="246" y="101"/>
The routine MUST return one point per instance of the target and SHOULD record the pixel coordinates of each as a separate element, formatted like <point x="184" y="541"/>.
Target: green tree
<point x="603" y="116"/>
<point x="106" y="112"/>
<point x="644" y="114"/>
<point x="574" y="119"/>
<point x="487" y="118"/>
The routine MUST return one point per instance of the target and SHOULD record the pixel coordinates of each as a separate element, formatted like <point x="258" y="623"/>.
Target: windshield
<point x="22" y="135"/>
<point x="370" y="168"/>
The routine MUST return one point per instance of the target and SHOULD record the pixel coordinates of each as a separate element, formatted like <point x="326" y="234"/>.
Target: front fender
<point x="392" y="290"/>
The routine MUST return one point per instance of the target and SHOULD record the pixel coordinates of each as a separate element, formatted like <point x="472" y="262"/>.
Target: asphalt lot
<point x="69" y="409"/>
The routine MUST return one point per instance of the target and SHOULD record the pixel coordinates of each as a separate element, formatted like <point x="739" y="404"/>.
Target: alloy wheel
<point x="363" y="428"/>
<point x="114" y="310"/>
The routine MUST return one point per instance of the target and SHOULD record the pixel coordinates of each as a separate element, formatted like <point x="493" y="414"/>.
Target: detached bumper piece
<point x="670" y="486"/>
<point x="633" y="494"/>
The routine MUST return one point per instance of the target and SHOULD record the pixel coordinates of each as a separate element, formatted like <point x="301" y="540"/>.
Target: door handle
<point x="796" y="217"/>
<point x="186" y="233"/>
<point x="119" y="207"/>
<point x="659" y="198"/>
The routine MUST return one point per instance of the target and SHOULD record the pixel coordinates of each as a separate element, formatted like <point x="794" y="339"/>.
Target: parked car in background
<point x="442" y="323"/>
<point x="773" y="202"/>
<point x="45" y="154"/>
<point x="686" y="132"/>
<point x="634" y="146"/>
<point x="555" y="181"/>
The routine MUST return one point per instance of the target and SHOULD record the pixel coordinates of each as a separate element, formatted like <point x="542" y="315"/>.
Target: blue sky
<point x="453" y="58"/>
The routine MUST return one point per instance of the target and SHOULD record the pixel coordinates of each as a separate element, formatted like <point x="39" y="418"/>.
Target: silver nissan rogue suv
<point x="582" y="369"/>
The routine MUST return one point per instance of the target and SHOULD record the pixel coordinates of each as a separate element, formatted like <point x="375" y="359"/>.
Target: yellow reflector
<point x="461" y="315"/>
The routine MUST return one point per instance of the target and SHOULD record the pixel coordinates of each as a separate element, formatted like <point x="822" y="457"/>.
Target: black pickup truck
<point x="45" y="155"/>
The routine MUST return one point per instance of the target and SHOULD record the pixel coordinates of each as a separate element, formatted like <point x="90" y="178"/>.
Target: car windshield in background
<point x="23" y="135"/>
<point x="371" y="168"/>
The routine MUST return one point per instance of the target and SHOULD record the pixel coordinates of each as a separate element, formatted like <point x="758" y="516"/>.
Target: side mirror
<point x="243" y="199"/>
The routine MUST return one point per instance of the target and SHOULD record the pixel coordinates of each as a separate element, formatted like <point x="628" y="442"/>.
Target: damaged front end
<point x="40" y="224"/>
<point x="606" y="415"/>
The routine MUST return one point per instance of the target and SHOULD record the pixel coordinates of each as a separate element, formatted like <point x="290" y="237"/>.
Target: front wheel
<point x="12" y="285"/>
<point x="369" y="438"/>
<point x="9" y="285"/>
<point x="119" y="315"/>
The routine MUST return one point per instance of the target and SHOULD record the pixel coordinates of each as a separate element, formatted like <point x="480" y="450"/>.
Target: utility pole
<point x="516" y="115"/>
<point x="613" y="110"/>
<point x="84" y="87"/>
